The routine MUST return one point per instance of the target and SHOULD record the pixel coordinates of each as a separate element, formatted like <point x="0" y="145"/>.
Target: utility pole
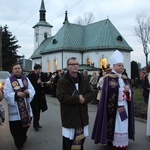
<point x="1" y="48"/>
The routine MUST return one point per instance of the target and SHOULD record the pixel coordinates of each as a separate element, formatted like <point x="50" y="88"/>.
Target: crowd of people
<point x="110" y="90"/>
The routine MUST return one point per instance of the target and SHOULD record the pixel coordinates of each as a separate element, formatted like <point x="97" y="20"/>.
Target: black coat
<point x="73" y="114"/>
<point x="146" y="86"/>
<point x="39" y="96"/>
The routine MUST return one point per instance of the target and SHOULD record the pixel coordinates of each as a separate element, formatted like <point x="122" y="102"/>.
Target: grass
<point x="140" y="108"/>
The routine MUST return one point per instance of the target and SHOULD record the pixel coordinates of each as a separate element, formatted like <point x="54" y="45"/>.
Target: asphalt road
<point x="49" y="136"/>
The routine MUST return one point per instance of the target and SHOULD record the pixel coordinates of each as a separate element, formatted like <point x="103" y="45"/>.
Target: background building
<point x="92" y="44"/>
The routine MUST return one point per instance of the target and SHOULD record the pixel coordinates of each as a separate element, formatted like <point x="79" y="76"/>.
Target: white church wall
<point x="127" y="63"/>
<point x="93" y="56"/>
<point x="96" y="56"/>
<point x="56" y="57"/>
<point x="67" y="55"/>
<point x="61" y="60"/>
<point x="36" y="61"/>
<point x="42" y="31"/>
<point x="39" y="35"/>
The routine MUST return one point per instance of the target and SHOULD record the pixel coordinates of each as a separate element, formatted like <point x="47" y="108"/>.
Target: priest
<point x="19" y="92"/>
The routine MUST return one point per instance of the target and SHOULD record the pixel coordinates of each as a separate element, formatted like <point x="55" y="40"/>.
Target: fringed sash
<point x="78" y="136"/>
<point x="24" y="110"/>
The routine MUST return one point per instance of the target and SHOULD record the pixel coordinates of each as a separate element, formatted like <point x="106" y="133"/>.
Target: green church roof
<point x="99" y="35"/>
<point x="36" y="53"/>
<point x="42" y="23"/>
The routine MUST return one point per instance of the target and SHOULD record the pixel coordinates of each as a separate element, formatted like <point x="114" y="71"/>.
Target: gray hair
<point x="74" y="58"/>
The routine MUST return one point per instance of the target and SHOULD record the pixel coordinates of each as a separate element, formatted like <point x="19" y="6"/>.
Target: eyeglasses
<point x="75" y="64"/>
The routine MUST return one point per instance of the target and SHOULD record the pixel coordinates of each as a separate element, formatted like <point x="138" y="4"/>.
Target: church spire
<point x="66" y="17"/>
<point x="42" y="11"/>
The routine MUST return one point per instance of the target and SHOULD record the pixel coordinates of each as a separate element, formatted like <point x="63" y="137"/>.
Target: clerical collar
<point x="18" y="77"/>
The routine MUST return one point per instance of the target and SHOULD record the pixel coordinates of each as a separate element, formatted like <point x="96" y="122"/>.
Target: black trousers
<point x="36" y="113"/>
<point x="67" y="143"/>
<point x="18" y="132"/>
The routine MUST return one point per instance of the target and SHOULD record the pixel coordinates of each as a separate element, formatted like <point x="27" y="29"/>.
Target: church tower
<point x="42" y="29"/>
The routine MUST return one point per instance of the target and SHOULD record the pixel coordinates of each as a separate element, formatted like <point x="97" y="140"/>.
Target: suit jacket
<point x="39" y="96"/>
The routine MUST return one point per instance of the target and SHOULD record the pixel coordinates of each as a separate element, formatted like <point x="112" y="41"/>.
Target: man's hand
<point x="82" y="100"/>
<point x="21" y="94"/>
<point x="126" y="88"/>
<point x="39" y="81"/>
<point x="26" y="92"/>
<point x="48" y="82"/>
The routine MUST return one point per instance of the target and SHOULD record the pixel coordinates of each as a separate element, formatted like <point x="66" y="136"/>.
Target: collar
<point x="18" y="77"/>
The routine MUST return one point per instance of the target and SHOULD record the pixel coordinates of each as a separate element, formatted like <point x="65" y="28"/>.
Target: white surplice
<point x="121" y="127"/>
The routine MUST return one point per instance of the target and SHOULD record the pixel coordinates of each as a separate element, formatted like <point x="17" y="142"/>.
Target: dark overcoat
<point x="146" y="86"/>
<point x="73" y="114"/>
<point x="39" y="96"/>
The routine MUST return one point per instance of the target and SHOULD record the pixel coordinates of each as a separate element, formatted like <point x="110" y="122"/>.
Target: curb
<point x="141" y="120"/>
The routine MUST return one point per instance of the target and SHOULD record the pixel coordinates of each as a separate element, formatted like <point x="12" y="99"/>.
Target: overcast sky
<point x="21" y="15"/>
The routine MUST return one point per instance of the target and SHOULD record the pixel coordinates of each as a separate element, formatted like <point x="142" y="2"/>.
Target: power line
<point x="51" y="20"/>
<point x="68" y="9"/>
<point x="27" y="18"/>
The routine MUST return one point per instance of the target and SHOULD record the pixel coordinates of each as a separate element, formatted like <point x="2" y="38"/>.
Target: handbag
<point x="2" y="114"/>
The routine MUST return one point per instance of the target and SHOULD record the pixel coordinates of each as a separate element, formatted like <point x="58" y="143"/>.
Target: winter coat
<point x="39" y="96"/>
<point x="73" y="114"/>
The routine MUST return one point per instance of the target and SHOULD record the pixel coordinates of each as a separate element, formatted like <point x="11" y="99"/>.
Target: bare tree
<point x="143" y="32"/>
<point x="88" y="18"/>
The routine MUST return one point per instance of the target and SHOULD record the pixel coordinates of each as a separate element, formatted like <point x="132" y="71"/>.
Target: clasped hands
<point x="23" y="94"/>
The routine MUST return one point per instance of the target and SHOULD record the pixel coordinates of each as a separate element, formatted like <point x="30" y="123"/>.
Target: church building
<point x="91" y="44"/>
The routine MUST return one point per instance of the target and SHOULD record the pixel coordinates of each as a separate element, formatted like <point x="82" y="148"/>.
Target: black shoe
<point x="20" y="148"/>
<point x="109" y="143"/>
<point x="36" y="129"/>
<point x="39" y="126"/>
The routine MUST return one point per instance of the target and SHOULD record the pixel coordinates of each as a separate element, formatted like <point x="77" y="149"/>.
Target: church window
<point x="45" y="35"/>
<point x="36" y="36"/>
<point x="54" y="41"/>
<point x="88" y="61"/>
<point x="119" y="38"/>
<point x="55" y="64"/>
<point x="103" y="62"/>
<point x="48" y="66"/>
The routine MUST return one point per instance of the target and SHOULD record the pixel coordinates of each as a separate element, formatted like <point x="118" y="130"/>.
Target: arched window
<point x="36" y="37"/>
<point x="48" y="66"/>
<point x="45" y="35"/>
<point x="88" y="61"/>
<point x="55" y="64"/>
<point x="54" y="41"/>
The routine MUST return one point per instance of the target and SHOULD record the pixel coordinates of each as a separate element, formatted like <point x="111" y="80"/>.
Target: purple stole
<point x="24" y="110"/>
<point x="78" y="136"/>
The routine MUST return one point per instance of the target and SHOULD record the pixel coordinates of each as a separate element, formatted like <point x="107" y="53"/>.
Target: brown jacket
<point x="1" y="95"/>
<point x="73" y="114"/>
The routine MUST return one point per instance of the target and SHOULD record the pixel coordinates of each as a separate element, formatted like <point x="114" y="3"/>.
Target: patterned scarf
<point x="24" y="110"/>
<point x="79" y="135"/>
